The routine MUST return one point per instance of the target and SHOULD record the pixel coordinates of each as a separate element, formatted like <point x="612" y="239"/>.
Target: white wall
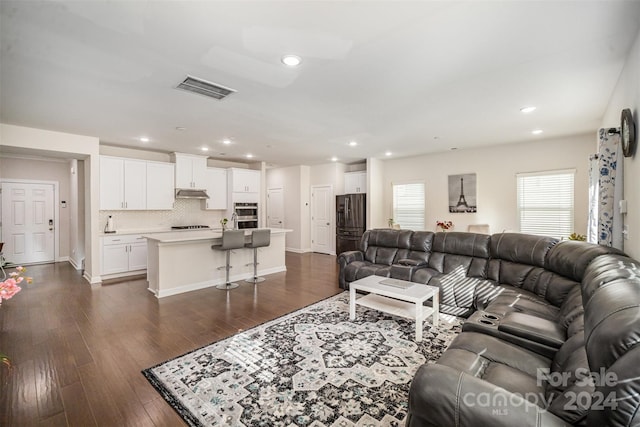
<point x="496" y="169"/>
<point x="57" y="144"/>
<point x="627" y="95"/>
<point x="305" y="208"/>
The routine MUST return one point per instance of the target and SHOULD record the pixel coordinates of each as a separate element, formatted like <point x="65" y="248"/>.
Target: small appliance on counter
<point x="110" y="228"/>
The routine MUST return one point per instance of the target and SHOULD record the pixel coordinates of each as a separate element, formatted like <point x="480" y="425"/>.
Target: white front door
<point x="322" y="235"/>
<point x="275" y="208"/>
<point x="28" y="222"/>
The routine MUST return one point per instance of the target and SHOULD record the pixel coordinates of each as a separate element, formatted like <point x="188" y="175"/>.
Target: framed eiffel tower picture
<point x="462" y="193"/>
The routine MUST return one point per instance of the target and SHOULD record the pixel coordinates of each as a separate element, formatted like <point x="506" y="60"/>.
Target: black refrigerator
<point x="351" y="217"/>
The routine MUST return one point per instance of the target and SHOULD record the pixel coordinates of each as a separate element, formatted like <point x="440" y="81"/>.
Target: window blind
<point x="545" y="203"/>
<point x="408" y="205"/>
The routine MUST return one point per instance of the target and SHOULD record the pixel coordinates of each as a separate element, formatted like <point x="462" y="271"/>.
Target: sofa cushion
<point x="513" y="299"/>
<point x="383" y="246"/>
<point x="518" y="248"/>
<point x="476" y="354"/>
<point x="452" y="249"/>
<point x="359" y="269"/>
<point x="570" y="258"/>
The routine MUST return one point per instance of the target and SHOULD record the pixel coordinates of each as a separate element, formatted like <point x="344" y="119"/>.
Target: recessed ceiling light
<point x="144" y="139"/>
<point x="528" y="109"/>
<point x="334" y="159"/>
<point x="205" y="148"/>
<point x="226" y="141"/>
<point x="249" y="156"/>
<point x="352" y="143"/>
<point x="536" y="132"/>
<point x="291" y="60"/>
<point x="388" y="153"/>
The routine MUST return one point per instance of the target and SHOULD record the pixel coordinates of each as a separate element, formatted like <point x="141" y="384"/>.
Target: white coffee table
<point x="397" y="301"/>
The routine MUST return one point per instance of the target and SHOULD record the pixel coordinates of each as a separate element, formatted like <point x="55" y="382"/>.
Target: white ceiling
<point x="409" y="77"/>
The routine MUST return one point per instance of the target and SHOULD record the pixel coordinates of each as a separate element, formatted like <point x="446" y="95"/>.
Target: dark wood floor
<point x="78" y="350"/>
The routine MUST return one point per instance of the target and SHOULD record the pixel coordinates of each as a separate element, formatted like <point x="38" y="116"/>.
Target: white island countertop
<point x="202" y="234"/>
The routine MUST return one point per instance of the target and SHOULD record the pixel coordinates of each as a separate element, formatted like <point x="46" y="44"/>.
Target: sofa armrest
<point x="533" y="328"/>
<point x="344" y="259"/>
<point x="350" y="256"/>
<point x="443" y="396"/>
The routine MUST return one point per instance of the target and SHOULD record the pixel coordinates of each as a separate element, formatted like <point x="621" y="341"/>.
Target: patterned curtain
<point x="605" y="191"/>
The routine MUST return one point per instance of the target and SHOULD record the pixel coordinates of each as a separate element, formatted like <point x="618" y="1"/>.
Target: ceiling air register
<point x="203" y="87"/>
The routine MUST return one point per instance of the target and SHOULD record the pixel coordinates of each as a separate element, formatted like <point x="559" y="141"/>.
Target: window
<point x="545" y="203"/>
<point x="408" y="205"/>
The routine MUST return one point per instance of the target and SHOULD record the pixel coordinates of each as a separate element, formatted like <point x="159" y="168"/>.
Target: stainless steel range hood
<point x="186" y="193"/>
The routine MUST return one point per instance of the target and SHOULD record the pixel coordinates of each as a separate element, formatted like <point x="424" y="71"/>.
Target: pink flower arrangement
<point x="10" y="287"/>
<point x="444" y="225"/>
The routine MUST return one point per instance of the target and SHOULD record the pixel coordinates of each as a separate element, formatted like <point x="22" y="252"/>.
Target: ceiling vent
<point x="203" y="87"/>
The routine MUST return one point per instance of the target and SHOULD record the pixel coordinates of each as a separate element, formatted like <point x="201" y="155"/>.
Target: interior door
<point x="275" y="208"/>
<point x="322" y="235"/>
<point x="28" y="222"/>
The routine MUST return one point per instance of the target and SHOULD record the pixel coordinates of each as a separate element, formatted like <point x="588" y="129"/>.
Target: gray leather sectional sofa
<point x="552" y="335"/>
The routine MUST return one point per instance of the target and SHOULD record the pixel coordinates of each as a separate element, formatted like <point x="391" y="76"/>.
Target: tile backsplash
<point x="185" y="212"/>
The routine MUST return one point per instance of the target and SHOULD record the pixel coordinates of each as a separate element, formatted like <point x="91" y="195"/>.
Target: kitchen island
<point x="183" y="261"/>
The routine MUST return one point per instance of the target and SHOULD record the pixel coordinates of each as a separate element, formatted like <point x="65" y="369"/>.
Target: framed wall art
<point x="462" y="193"/>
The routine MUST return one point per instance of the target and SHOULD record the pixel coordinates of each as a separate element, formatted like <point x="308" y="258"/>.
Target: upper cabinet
<point x="123" y="183"/>
<point x="160" y="186"/>
<point x="191" y="171"/>
<point x="129" y="184"/>
<point x="216" y="186"/>
<point x="244" y="180"/>
<point x="355" y="182"/>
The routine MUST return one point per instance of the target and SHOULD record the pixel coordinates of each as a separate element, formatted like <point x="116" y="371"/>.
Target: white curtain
<point x="605" y="191"/>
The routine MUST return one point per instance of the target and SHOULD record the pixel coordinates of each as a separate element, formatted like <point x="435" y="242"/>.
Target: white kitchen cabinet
<point x="355" y="182"/>
<point x="160" y="186"/>
<point x="244" y="180"/>
<point x="216" y="186"/>
<point x="123" y="183"/>
<point x="190" y="171"/>
<point x="123" y="254"/>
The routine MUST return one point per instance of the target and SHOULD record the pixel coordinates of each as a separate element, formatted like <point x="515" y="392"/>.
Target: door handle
<point x="328" y="223"/>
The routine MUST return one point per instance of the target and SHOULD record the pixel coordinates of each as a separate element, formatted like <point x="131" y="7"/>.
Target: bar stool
<point x="231" y="239"/>
<point x="259" y="239"/>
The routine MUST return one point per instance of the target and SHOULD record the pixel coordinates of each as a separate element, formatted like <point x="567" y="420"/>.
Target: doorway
<point x="29" y="223"/>
<point x="275" y="208"/>
<point x="322" y="226"/>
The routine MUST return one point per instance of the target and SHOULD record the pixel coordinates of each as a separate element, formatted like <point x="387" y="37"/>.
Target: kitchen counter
<point x="201" y="234"/>
<point x="183" y="261"/>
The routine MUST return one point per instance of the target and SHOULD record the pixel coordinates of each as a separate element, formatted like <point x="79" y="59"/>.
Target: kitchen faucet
<point x="234" y="218"/>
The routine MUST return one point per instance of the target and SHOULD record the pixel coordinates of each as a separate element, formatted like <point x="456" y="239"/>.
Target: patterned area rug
<point x="312" y="367"/>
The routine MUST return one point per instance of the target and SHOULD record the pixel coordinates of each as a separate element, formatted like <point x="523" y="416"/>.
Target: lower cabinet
<point x="123" y="254"/>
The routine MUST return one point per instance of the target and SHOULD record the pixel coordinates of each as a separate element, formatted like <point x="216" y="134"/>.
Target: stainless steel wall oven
<point x="247" y="214"/>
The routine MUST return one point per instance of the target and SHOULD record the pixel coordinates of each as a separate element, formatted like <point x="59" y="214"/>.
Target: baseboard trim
<point x="75" y="264"/>
<point x="297" y="250"/>
<point x="93" y="280"/>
